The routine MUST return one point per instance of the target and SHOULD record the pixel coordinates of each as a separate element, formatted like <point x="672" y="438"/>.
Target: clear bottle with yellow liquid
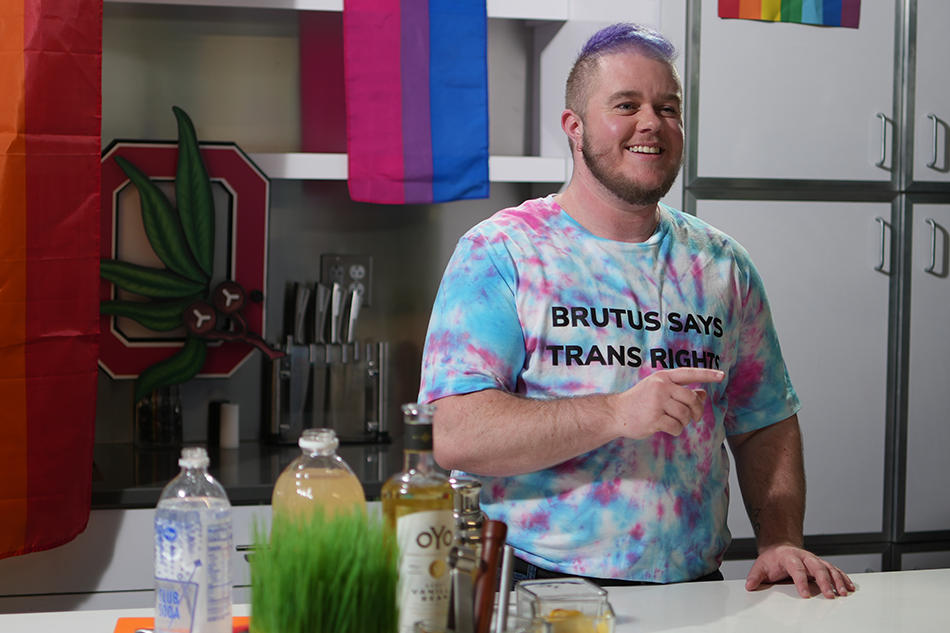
<point x="418" y="506"/>
<point x="318" y="478"/>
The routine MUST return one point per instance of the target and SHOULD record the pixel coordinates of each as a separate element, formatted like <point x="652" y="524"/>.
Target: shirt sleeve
<point x="475" y="340"/>
<point x="760" y="392"/>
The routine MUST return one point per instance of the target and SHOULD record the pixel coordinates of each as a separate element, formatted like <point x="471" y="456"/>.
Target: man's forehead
<point x="606" y="66"/>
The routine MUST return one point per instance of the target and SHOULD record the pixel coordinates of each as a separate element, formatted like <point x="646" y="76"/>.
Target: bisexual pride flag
<point x="416" y="75"/>
<point x="820" y="12"/>
<point x="50" y="114"/>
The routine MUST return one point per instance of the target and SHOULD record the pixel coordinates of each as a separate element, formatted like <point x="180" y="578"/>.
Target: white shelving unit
<point x="307" y="166"/>
<point x="512" y="9"/>
<point x="303" y="166"/>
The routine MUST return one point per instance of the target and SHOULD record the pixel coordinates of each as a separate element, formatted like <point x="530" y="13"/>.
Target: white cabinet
<point x="110" y="565"/>
<point x="830" y="307"/>
<point x="931" y="96"/>
<point x="927" y="503"/>
<point x="792" y="101"/>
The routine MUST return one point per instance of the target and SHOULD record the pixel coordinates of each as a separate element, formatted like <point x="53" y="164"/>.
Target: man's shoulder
<point x="702" y="235"/>
<point x="531" y="216"/>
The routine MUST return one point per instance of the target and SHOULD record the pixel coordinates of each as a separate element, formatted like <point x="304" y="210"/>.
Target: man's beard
<point x="624" y="188"/>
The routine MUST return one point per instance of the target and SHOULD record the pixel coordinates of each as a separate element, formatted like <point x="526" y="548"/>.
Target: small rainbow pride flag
<point x="50" y="122"/>
<point x="416" y="74"/>
<point x="821" y="12"/>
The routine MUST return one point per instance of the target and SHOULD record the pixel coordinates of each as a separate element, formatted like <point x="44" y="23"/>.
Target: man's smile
<point x="644" y="149"/>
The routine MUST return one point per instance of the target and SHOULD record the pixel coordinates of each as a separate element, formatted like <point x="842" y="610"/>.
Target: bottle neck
<point x="419" y="461"/>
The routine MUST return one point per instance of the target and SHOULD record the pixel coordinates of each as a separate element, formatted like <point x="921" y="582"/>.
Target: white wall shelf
<point x="509" y="9"/>
<point x="303" y="166"/>
<point x="319" y="166"/>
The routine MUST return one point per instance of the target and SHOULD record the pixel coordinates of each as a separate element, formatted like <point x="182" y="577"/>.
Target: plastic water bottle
<point x="193" y="543"/>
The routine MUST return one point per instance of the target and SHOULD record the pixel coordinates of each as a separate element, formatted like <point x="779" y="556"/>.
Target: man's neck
<point x="605" y="216"/>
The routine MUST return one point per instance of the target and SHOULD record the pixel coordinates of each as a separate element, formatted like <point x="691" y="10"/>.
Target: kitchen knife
<point x="356" y="301"/>
<point x="320" y="362"/>
<point x="302" y="298"/>
<point x="320" y="358"/>
<point x="336" y="370"/>
<point x="322" y="303"/>
<point x="336" y="312"/>
<point x="353" y="404"/>
<point x="299" y="366"/>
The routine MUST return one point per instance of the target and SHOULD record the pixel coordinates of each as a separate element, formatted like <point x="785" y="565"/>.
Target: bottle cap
<point x="318" y="440"/>
<point x="194" y="457"/>
<point x="418" y="412"/>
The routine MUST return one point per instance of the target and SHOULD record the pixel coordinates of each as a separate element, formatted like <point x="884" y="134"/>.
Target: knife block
<point x="286" y="394"/>
<point x="356" y="387"/>
<point x="341" y="386"/>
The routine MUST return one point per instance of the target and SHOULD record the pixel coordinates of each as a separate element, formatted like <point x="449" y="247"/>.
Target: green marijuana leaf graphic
<point x="183" y="238"/>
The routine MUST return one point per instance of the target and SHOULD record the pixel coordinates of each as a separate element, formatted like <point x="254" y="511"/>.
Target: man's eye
<point x="670" y="111"/>
<point x="627" y="106"/>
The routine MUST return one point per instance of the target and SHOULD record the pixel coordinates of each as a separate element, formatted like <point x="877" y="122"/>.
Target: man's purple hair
<point x="625" y="35"/>
<point x="610" y="39"/>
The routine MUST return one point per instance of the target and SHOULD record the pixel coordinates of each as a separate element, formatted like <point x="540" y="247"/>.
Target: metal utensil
<point x="464" y="562"/>
<point x="351" y="406"/>
<point x="337" y="359"/>
<point x="504" y="589"/>
<point x="356" y="301"/>
<point x="298" y="388"/>
<point x="319" y="357"/>
<point x="301" y="299"/>
<point x="336" y="312"/>
<point x="321" y="304"/>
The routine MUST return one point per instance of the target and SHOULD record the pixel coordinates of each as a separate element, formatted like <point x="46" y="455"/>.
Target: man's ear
<point x="574" y="128"/>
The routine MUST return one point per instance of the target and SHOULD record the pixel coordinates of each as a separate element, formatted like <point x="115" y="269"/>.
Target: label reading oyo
<point x="425" y="539"/>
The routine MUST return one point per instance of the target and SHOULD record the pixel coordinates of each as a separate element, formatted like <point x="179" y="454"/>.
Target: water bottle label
<point x="175" y="605"/>
<point x="192" y="571"/>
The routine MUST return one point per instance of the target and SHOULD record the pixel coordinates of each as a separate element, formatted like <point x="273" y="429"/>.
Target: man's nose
<point x="648" y="120"/>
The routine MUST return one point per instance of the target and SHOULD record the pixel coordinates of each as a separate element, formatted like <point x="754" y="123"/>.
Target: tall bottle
<point x="318" y="477"/>
<point x="417" y="505"/>
<point x="193" y="543"/>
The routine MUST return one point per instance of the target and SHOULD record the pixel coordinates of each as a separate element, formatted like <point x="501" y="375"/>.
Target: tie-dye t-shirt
<point x="534" y="304"/>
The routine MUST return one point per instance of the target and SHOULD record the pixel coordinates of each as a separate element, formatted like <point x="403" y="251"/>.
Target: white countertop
<point x="887" y="602"/>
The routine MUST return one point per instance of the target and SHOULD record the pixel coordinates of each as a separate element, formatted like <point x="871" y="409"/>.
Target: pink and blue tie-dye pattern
<point x="532" y="303"/>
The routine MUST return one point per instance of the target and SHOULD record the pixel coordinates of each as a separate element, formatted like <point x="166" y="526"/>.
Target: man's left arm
<point x="771" y="473"/>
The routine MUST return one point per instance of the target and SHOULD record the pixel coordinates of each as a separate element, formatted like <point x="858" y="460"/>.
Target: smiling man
<point x="591" y="353"/>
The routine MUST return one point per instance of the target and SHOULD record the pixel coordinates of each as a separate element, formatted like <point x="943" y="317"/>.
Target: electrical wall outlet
<point x="350" y="271"/>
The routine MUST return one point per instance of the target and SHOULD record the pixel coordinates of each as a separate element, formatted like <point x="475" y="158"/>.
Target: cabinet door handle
<point x="933" y="246"/>
<point x="933" y="146"/>
<point x="880" y="266"/>
<point x="883" y="160"/>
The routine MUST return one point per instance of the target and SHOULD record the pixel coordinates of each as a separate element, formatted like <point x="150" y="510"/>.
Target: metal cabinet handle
<point x="933" y="146"/>
<point x="880" y="266"/>
<point x="883" y="160"/>
<point x="933" y="246"/>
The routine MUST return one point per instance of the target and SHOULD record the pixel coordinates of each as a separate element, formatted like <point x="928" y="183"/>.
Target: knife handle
<point x="494" y="534"/>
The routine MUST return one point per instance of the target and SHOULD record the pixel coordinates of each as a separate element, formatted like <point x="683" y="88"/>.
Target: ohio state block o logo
<point x="242" y="199"/>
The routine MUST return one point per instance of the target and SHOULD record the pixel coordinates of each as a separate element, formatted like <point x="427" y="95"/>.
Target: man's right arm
<point x="497" y="434"/>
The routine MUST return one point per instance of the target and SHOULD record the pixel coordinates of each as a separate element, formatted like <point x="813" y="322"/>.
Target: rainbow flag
<point x="821" y="12"/>
<point x="50" y="116"/>
<point x="416" y="74"/>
